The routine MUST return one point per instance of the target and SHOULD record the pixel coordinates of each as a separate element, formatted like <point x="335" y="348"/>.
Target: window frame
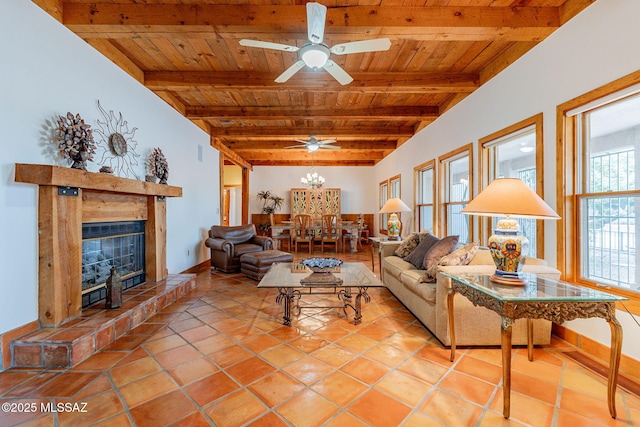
<point x="383" y="196"/>
<point x="486" y="167"/>
<point x="390" y="184"/>
<point x="443" y="190"/>
<point x="430" y="165"/>
<point x="567" y="150"/>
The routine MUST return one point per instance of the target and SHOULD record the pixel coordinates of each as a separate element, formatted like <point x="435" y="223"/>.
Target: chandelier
<point x="312" y="179"/>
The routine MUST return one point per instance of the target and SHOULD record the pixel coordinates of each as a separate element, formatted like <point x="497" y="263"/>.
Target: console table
<point x="538" y="298"/>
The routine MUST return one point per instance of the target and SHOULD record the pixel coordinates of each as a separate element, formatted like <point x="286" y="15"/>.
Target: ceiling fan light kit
<point x="315" y="54"/>
<point x="313" y="144"/>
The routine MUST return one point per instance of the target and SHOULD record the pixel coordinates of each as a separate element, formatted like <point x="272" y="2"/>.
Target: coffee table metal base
<point x="290" y="299"/>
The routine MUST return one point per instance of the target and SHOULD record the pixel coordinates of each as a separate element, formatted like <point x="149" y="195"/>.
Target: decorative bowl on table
<point x="321" y="265"/>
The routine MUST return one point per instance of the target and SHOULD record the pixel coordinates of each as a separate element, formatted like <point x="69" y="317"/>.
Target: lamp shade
<point x="395" y="205"/>
<point x="394" y="225"/>
<point x="509" y="197"/>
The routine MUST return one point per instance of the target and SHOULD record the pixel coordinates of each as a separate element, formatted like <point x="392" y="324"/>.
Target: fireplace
<point x="69" y="198"/>
<point x="111" y="243"/>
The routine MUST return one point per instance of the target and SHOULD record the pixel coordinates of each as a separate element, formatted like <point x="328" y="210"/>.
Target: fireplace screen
<point x="106" y="244"/>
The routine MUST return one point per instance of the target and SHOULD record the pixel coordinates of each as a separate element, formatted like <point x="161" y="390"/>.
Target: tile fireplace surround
<point x="67" y="198"/>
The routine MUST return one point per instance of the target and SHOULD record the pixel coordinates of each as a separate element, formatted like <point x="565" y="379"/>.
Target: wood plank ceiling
<point x="188" y="53"/>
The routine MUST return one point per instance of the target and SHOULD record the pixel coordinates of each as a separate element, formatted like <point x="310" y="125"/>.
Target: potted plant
<point x="271" y="203"/>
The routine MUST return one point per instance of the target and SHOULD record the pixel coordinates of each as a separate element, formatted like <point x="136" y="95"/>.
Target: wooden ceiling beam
<point x="232" y="155"/>
<point x="313" y="113"/>
<point x="361" y="162"/>
<point x="369" y="82"/>
<point x="251" y="132"/>
<point x="85" y="18"/>
<point x="395" y="35"/>
<point x="279" y="145"/>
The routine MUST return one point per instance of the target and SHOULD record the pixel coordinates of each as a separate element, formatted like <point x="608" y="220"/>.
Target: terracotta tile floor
<point x="220" y="356"/>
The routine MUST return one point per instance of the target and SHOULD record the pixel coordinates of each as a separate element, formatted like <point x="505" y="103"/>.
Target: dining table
<point x="316" y="226"/>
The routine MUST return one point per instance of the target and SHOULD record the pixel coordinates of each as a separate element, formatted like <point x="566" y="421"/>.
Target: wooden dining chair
<point x="330" y="233"/>
<point x="279" y="237"/>
<point x="302" y="232"/>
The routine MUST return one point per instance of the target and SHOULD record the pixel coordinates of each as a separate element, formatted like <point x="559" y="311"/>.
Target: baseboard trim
<point x="595" y="357"/>
<point x="198" y="267"/>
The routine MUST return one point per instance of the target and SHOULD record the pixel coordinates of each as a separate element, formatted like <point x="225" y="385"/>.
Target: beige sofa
<point x="475" y="326"/>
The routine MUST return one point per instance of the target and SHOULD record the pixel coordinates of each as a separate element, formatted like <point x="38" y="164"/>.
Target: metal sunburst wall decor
<point x="117" y="144"/>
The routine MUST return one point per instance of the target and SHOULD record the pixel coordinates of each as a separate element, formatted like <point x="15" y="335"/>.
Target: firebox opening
<point x="111" y="243"/>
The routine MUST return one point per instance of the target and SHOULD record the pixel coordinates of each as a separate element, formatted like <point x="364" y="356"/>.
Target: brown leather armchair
<point x="227" y="244"/>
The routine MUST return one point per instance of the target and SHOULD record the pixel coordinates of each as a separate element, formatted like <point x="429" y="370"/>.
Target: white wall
<point x="46" y="71"/>
<point x="596" y="47"/>
<point x="354" y="182"/>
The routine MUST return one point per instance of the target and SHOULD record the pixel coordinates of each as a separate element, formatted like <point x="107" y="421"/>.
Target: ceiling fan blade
<point x="296" y="146"/>
<point x="316" y="16"/>
<point x="289" y="72"/>
<point x="301" y="140"/>
<point x="333" y="147"/>
<point x="338" y="73"/>
<point x="327" y="141"/>
<point x="372" y="45"/>
<point x="268" y="45"/>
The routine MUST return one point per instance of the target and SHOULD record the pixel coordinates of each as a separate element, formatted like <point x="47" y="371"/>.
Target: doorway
<point x="233" y="197"/>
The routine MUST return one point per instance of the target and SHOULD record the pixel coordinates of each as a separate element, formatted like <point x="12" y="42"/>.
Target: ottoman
<point x="256" y="264"/>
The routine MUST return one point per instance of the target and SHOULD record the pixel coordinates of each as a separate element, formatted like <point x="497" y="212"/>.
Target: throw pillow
<point x="417" y="256"/>
<point x="408" y="245"/>
<point x="460" y="256"/>
<point x="435" y="254"/>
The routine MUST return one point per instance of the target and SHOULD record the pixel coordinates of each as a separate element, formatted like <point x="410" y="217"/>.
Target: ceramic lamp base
<point x="393" y="227"/>
<point x="509" y="249"/>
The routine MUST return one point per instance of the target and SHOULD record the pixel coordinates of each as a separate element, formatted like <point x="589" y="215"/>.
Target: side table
<point x="376" y="246"/>
<point x="538" y="298"/>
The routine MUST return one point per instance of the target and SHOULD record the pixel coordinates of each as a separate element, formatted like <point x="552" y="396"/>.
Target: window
<point x="516" y="152"/>
<point x="383" y="196"/>
<point x="425" y="196"/>
<point x="455" y="193"/>
<point x="598" y="234"/>
<point x="388" y="189"/>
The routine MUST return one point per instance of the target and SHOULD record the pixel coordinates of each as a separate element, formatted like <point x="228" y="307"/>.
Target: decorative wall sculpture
<point x="117" y="144"/>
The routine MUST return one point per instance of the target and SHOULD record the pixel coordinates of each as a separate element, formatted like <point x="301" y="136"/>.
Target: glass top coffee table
<point x="538" y="298"/>
<point x="293" y="280"/>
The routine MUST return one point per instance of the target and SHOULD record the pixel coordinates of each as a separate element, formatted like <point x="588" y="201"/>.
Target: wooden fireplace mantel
<point x="67" y="198"/>
<point x="67" y="177"/>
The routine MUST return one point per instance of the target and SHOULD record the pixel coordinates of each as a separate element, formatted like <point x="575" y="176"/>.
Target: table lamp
<point x="394" y="225"/>
<point x="509" y="198"/>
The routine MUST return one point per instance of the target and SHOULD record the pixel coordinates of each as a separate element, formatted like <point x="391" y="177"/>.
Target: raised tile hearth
<point x="97" y="327"/>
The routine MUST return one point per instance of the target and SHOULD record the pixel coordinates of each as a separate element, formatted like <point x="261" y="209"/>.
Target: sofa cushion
<point x="394" y="265"/>
<point x="436" y="252"/>
<point x="245" y="248"/>
<point x="411" y="280"/>
<point x="417" y="256"/>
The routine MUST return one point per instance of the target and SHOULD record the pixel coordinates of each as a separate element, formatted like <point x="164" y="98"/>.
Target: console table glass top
<point x="535" y="288"/>
<point x="538" y="298"/>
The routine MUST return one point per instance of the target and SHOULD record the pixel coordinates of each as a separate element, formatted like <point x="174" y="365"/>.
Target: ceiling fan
<point x="313" y="144"/>
<point x="315" y="54"/>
